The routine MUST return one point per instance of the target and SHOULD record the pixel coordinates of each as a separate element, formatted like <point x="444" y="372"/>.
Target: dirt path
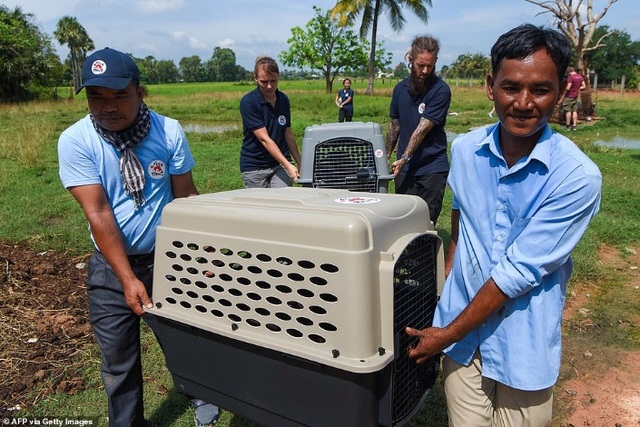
<point x="600" y="385"/>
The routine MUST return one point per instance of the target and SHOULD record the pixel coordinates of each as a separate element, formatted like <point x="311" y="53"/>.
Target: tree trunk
<point x="75" y="69"/>
<point x="372" y="54"/>
<point x="588" y="108"/>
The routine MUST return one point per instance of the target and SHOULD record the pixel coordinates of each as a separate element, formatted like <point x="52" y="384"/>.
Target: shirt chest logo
<point x="282" y="120"/>
<point x="421" y="108"/>
<point x="156" y="169"/>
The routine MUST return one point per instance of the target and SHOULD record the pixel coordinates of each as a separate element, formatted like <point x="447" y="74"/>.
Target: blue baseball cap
<point x="109" y="68"/>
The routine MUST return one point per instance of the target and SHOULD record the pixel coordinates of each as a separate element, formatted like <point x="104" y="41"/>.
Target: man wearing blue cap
<point x="123" y="163"/>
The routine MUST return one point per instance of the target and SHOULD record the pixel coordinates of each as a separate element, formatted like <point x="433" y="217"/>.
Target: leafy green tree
<point x="69" y="32"/>
<point x="348" y="10"/>
<point x="148" y="70"/>
<point x="475" y="66"/>
<point x="167" y="72"/>
<point x="401" y="70"/>
<point x="324" y="46"/>
<point x="192" y="69"/>
<point x="222" y="65"/>
<point x="24" y="53"/>
<point x="618" y="56"/>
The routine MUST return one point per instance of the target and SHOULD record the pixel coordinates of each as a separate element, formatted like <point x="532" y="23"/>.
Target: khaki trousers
<point x="473" y="400"/>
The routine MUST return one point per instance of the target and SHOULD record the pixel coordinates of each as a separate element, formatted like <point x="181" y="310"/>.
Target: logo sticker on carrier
<point x="379" y="153"/>
<point x="357" y="200"/>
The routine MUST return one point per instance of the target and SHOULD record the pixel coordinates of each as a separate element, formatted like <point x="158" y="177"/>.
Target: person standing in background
<point x="575" y="83"/>
<point x="268" y="143"/>
<point x="344" y="101"/>
<point x="418" y="111"/>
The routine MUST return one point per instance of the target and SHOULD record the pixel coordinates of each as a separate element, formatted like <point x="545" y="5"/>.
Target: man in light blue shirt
<point x="124" y="163"/>
<point x="523" y="196"/>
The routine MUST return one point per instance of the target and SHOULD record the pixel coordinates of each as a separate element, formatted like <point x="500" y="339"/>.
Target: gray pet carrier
<point x="348" y="156"/>
<point x="288" y="306"/>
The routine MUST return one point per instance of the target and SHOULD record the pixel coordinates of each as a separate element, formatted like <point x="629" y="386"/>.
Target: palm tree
<point x="70" y="32"/>
<point x="347" y="10"/>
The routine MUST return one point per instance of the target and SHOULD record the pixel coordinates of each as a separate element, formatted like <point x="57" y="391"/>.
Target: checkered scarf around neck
<point x="130" y="168"/>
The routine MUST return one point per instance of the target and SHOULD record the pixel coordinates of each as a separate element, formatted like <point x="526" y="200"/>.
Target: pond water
<point x="620" y="142"/>
<point x="196" y="128"/>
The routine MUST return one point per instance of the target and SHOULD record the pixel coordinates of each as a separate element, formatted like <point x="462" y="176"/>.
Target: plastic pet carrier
<point x="348" y="156"/>
<point x="288" y="306"/>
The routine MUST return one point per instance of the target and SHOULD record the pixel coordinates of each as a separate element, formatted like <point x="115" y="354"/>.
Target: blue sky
<point x="172" y="29"/>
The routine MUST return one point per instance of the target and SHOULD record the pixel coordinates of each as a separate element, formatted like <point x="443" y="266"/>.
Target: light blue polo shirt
<point x="517" y="225"/>
<point x="85" y="158"/>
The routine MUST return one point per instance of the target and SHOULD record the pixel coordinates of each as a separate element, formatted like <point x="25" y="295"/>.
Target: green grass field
<point x="34" y="207"/>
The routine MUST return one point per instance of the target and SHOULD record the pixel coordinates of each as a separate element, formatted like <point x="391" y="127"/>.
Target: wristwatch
<point x="405" y="158"/>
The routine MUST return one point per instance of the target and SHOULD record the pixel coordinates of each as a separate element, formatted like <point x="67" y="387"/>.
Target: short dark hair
<point x="526" y="39"/>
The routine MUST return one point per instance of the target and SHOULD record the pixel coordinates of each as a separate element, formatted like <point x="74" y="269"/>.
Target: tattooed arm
<point x="416" y="139"/>
<point x="393" y="132"/>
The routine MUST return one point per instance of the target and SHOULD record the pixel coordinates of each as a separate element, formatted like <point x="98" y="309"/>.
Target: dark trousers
<point x="117" y="331"/>
<point x="345" y="114"/>
<point x="429" y="188"/>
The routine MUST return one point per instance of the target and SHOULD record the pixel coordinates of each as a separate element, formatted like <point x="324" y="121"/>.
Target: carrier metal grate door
<point x="415" y="298"/>
<point x="345" y="163"/>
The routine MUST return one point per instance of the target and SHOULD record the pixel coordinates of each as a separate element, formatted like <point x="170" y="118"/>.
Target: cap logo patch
<point x="98" y="67"/>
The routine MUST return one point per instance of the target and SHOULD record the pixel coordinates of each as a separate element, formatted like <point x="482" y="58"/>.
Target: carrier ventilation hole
<point x="329" y="327"/>
<point x="170" y="254"/>
<point x="329" y="268"/>
<point x="317" y="310"/>
<point x="185" y="257"/>
<point x="274" y="273"/>
<point x="235" y="292"/>
<point x="263" y="285"/>
<point x="317" y="338"/>
<point x="284" y="289"/>
<point x="306" y="293"/>
<point x="185" y="281"/>
<point x="306" y="264"/>
<point x="274" y="300"/>
<point x="263" y="311"/>
<point x="283" y="316"/>
<point x="226" y="251"/>
<point x="253" y="322"/>
<point x="294" y="333"/>
<point x="209" y="249"/>
<point x="177" y="244"/>
<point x="263" y="257"/>
<point x="255" y="270"/>
<point x="284" y="261"/>
<point x="273" y="327"/>
<point x="193" y="246"/>
<point x="304" y="321"/>
<point x="329" y="297"/>
<point x="170" y="277"/>
<point x="319" y="281"/>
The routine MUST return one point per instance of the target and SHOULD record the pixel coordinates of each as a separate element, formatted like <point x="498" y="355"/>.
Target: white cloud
<point x="158" y="6"/>
<point x="226" y="42"/>
<point x="182" y="36"/>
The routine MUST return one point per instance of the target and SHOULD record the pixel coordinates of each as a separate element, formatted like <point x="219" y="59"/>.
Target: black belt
<point x="141" y="259"/>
